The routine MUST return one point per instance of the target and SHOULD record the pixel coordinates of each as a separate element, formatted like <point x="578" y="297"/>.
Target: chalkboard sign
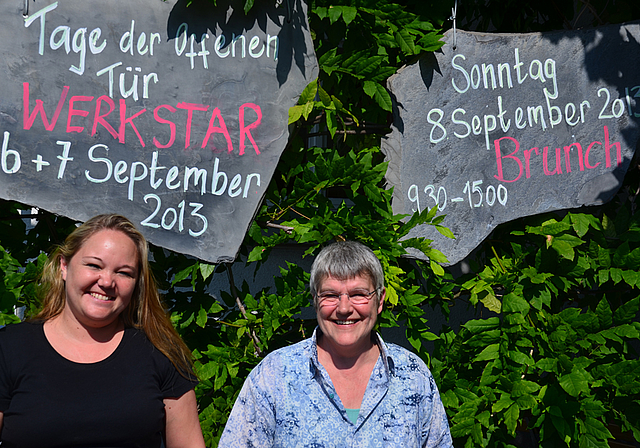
<point x="174" y="115"/>
<point x="508" y="125"/>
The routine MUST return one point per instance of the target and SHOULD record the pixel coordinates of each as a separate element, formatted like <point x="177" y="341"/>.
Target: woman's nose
<point x="344" y="304"/>
<point x="105" y="280"/>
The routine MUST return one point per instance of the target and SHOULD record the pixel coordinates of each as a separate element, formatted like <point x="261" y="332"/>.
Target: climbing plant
<point x="550" y="352"/>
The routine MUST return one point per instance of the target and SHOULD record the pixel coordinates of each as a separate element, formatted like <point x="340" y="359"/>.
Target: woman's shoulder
<point x="138" y="348"/>
<point x="19" y="331"/>
<point x="136" y="341"/>
<point x="290" y="357"/>
<point x="136" y="334"/>
<point x="405" y="361"/>
<point x="21" y="339"/>
<point x="300" y="349"/>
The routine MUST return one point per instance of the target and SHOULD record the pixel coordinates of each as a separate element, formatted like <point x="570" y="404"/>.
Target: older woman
<point x="101" y="364"/>
<point x="344" y="386"/>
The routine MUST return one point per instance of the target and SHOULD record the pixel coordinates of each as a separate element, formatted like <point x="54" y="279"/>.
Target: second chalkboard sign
<point x="172" y="113"/>
<point x="508" y="125"/>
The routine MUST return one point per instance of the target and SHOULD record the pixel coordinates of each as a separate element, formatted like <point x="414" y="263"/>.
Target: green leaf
<point x="405" y="41"/>
<point x="524" y="387"/>
<point x="580" y="224"/>
<point x="321" y="12"/>
<point x="215" y="308"/>
<point x="334" y="13"/>
<point x="449" y="399"/>
<point x="589" y="441"/>
<point x="436" y="268"/>
<point x="561" y="423"/>
<point x="445" y="231"/>
<point x="309" y="93"/>
<point x="542" y="297"/>
<point x="325" y="98"/>
<point x="511" y="417"/>
<point x="513" y="303"/>
<point x="630" y="277"/>
<point x="206" y="270"/>
<point x="372" y="192"/>
<point x="201" y="320"/>
<point x="490" y="352"/>
<point x="370" y="88"/>
<point x="492" y="303"/>
<point x="332" y="122"/>
<point x="603" y="276"/>
<point x="431" y="42"/>
<point x="349" y="14"/>
<point x="504" y="402"/>
<point x="483" y="418"/>
<point x="221" y="378"/>
<point x="535" y="276"/>
<point x="182" y="275"/>
<point x="248" y="4"/>
<point x="526" y="401"/>
<point x="329" y="61"/>
<point x="626" y="331"/>
<point x="476" y="434"/>
<point x="434" y="255"/>
<point x="256" y="254"/>
<point x="552" y="227"/>
<point x="548" y="365"/>
<point x="295" y="113"/>
<point x="520" y="358"/>
<point x="616" y="275"/>
<point x="576" y="382"/>
<point x="563" y="248"/>
<point x="604" y="258"/>
<point x="604" y="313"/>
<point x="633" y="259"/>
<point x="463" y="428"/>
<point x="467" y="395"/>
<point x="307" y="108"/>
<point x="361" y="65"/>
<point x="207" y="370"/>
<point x="481" y="325"/>
<point x="627" y="312"/>
<point x="381" y="96"/>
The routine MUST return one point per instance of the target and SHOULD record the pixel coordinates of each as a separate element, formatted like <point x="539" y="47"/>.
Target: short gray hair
<point x="345" y="260"/>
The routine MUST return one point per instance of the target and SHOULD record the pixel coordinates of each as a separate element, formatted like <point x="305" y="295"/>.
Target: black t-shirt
<point x="49" y="401"/>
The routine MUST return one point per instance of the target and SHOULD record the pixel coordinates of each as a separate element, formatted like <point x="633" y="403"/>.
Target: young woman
<point x="100" y="365"/>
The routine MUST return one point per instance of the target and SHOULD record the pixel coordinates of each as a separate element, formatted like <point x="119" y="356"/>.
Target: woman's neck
<point x="72" y="329"/>
<point x="343" y="358"/>
<point x="349" y="371"/>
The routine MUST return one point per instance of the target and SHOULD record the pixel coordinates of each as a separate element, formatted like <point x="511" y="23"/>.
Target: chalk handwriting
<point x="212" y="180"/>
<point x="475" y="195"/>
<point x="485" y="77"/>
<point x="88" y="112"/>
<point x="144" y="43"/>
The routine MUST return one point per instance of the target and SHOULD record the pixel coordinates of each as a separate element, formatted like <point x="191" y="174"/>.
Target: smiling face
<point x="100" y="279"/>
<point x="346" y="328"/>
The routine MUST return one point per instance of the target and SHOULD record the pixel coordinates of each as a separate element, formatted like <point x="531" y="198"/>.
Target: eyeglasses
<point x="356" y="297"/>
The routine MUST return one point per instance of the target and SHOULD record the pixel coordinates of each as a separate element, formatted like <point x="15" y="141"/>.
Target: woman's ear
<point x="383" y="295"/>
<point x="63" y="268"/>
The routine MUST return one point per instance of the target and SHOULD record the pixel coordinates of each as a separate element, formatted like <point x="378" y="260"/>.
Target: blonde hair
<point x="145" y="311"/>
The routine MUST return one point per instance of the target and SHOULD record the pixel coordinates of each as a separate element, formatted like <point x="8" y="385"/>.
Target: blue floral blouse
<point x="288" y="400"/>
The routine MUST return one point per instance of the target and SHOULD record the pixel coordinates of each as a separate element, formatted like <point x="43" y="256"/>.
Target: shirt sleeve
<point x="435" y="429"/>
<point x="174" y="384"/>
<point x="252" y="421"/>
<point x="6" y="385"/>
<point x="171" y="383"/>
